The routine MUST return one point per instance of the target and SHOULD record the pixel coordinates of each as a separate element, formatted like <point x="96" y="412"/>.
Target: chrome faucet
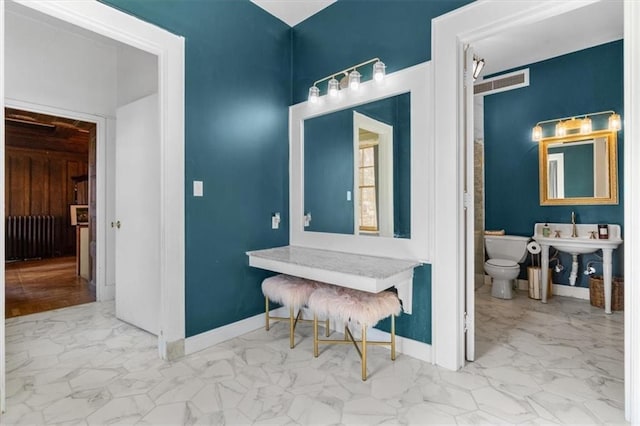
<point x="574" y="228"/>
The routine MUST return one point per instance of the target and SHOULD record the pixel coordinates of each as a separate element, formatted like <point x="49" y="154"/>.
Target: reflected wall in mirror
<point x="357" y="174"/>
<point x="579" y="169"/>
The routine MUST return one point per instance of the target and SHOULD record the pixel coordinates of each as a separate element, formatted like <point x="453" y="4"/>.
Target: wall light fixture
<point x="351" y="79"/>
<point x="478" y="64"/>
<point x="580" y="124"/>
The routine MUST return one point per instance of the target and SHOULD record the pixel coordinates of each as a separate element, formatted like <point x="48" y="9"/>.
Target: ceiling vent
<point x="501" y="83"/>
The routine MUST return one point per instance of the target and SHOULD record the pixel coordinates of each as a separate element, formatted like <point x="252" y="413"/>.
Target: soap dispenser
<point x="546" y="231"/>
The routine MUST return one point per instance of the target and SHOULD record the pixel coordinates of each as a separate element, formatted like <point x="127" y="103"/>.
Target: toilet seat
<point x="502" y="263"/>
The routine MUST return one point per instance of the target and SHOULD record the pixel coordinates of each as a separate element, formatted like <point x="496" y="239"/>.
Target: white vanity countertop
<point x="362" y="272"/>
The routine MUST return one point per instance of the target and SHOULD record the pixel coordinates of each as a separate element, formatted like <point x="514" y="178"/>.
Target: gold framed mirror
<point x="579" y="169"/>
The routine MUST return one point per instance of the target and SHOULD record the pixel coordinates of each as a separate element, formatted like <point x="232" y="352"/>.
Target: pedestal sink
<point x="560" y="238"/>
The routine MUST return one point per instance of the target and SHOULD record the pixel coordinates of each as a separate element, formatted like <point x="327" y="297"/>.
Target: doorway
<point x="477" y="22"/>
<point x="97" y="18"/>
<point x="50" y="164"/>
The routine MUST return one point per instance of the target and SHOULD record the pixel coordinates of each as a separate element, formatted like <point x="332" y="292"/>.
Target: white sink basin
<point x="583" y="243"/>
<point x="561" y="239"/>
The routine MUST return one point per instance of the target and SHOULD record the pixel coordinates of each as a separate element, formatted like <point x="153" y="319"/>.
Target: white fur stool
<point x="291" y="292"/>
<point x="358" y="307"/>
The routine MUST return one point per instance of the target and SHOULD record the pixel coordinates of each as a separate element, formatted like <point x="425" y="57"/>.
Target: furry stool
<point x="358" y="307"/>
<point x="293" y="293"/>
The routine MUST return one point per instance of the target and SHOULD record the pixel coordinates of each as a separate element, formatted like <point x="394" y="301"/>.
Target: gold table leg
<point x="266" y="313"/>
<point x="364" y="352"/>
<point x="315" y="335"/>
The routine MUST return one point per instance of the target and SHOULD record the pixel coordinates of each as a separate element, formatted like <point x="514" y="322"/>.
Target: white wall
<point x="137" y="74"/>
<point x="53" y="67"/>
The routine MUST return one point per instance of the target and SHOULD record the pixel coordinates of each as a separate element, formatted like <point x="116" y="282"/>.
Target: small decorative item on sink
<point x="603" y="231"/>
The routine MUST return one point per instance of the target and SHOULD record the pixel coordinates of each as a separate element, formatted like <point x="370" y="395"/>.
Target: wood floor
<point x="42" y="285"/>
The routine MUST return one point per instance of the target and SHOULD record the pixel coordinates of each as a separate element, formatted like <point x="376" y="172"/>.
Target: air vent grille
<point x="501" y="83"/>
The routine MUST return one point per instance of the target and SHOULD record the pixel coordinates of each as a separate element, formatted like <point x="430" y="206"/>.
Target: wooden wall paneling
<point x="58" y="206"/>
<point x="39" y="165"/>
<point x="39" y="176"/>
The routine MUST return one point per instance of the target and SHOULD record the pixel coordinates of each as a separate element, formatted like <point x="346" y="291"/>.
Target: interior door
<point x="136" y="223"/>
<point x="469" y="318"/>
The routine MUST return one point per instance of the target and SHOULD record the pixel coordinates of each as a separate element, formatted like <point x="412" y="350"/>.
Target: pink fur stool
<point x="356" y="307"/>
<point x="291" y="292"/>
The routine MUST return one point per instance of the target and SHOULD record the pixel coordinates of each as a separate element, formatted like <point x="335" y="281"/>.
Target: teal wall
<point x="590" y="80"/>
<point x="238" y="90"/>
<point x="243" y="69"/>
<point x="352" y="31"/>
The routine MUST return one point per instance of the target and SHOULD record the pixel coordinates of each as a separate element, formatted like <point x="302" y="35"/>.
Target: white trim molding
<point x="227" y="332"/>
<point x="199" y="342"/>
<point x="419" y="247"/>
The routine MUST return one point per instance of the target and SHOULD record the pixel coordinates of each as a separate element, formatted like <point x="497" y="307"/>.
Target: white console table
<point x="360" y="272"/>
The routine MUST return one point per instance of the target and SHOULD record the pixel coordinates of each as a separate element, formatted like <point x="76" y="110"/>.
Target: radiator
<point x="29" y="237"/>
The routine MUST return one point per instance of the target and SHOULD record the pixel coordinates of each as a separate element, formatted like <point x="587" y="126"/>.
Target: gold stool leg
<point x="364" y="352"/>
<point x="291" y="328"/>
<point x="315" y="335"/>
<point x="326" y="327"/>
<point x="393" y="337"/>
<point x="266" y="313"/>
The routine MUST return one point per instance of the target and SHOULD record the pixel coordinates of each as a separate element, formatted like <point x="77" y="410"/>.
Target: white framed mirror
<point x="387" y="214"/>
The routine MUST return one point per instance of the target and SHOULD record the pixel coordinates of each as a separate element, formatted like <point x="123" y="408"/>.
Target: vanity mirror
<point x="361" y="168"/>
<point x="357" y="169"/>
<point x="579" y="169"/>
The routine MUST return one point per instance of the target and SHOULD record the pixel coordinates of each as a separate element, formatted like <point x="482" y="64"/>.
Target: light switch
<point x="198" y="188"/>
<point x="348" y="195"/>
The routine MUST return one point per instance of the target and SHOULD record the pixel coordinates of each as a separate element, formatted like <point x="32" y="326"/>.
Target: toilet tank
<point x="509" y="247"/>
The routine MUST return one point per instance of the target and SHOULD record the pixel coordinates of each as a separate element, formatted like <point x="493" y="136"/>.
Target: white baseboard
<point x="406" y="346"/>
<point x="226" y="332"/>
<point x="108" y="293"/>
<point x="523" y="285"/>
<point x="571" y="291"/>
<point x="558" y="289"/>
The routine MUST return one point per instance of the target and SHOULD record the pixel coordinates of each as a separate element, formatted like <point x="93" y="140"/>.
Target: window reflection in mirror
<point x="579" y="169"/>
<point x="357" y="177"/>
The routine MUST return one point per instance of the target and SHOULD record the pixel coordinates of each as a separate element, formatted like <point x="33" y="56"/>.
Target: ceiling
<point x="588" y="26"/>
<point x="292" y="12"/>
<point x="22" y="118"/>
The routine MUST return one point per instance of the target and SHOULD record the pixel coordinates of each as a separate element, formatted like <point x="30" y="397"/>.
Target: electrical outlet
<point x="275" y="221"/>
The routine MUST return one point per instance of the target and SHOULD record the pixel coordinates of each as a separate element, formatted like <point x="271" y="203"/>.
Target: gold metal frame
<point x="348" y="338"/>
<point x="293" y="321"/>
<point x="612" y="145"/>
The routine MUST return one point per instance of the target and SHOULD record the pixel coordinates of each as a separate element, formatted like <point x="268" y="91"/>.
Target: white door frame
<point x="102" y="293"/>
<point x="169" y="49"/>
<point x="449" y="33"/>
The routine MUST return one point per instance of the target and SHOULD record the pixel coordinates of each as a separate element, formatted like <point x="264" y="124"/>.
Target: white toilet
<point x="505" y="253"/>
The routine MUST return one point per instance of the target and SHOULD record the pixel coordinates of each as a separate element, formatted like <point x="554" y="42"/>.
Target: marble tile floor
<point x="560" y="363"/>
